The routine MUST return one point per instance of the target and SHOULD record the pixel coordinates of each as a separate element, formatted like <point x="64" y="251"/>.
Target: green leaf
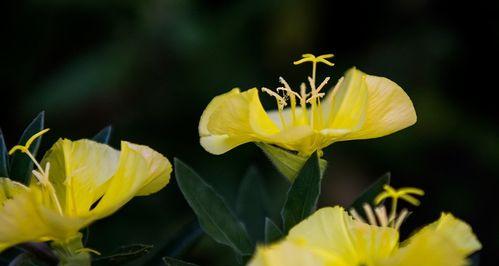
<point x="370" y="193"/>
<point x="4" y="159"/>
<point x="126" y="254"/>
<point x="214" y="216"/>
<point x="287" y="163"/>
<point x="169" y="261"/>
<point x="21" y="165"/>
<point x="272" y="232"/>
<point x="104" y="135"/>
<point x="303" y="194"/>
<point x="250" y="203"/>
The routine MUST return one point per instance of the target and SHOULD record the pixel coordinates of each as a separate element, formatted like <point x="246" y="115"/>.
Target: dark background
<point x="150" y="67"/>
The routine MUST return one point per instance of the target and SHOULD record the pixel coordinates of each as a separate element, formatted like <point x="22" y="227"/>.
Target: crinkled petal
<point x="348" y="104"/>
<point x="140" y="171"/>
<point x="328" y="231"/>
<point x="23" y="218"/>
<point x="238" y="117"/>
<point x="79" y="170"/>
<point x="286" y="253"/>
<point x="457" y="232"/>
<point x="332" y="233"/>
<point x="448" y="241"/>
<point x="389" y="109"/>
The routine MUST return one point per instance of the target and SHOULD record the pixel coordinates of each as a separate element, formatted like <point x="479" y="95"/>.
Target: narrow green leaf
<point x="370" y="193"/>
<point x="104" y="135"/>
<point x="303" y="194"/>
<point x="126" y="254"/>
<point x="214" y="216"/>
<point x="169" y="261"/>
<point x="287" y="163"/>
<point x="272" y="232"/>
<point x="21" y="165"/>
<point x="250" y="205"/>
<point x="4" y="159"/>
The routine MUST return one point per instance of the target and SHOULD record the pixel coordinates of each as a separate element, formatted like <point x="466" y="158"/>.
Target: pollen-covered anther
<point x="281" y="101"/>
<point x="315" y="93"/>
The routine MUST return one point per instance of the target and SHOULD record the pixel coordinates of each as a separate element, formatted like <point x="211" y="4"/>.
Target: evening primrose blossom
<point x="331" y="236"/>
<point x="75" y="184"/>
<point x="360" y="106"/>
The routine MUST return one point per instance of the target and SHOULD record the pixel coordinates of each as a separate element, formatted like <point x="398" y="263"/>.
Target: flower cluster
<point x="79" y="182"/>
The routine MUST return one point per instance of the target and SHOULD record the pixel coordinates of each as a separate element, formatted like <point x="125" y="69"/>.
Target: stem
<point x="70" y="252"/>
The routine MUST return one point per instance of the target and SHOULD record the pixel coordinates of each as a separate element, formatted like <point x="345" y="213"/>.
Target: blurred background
<point x="150" y="67"/>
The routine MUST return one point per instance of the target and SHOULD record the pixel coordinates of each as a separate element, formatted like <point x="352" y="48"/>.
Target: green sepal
<point x="20" y="164"/>
<point x="287" y="162"/>
<point x="71" y="252"/>
<point x="215" y="217"/>
<point x="272" y="231"/>
<point x="4" y="158"/>
<point x="104" y="135"/>
<point x="368" y="195"/>
<point x="303" y="194"/>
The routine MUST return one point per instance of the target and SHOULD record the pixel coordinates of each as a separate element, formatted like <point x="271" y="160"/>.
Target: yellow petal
<point x="448" y="241"/>
<point x="236" y="117"/>
<point x="373" y="243"/>
<point x="24" y="219"/>
<point x="334" y="235"/>
<point x="9" y="189"/>
<point x="79" y="171"/>
<point x="140" y="171"/>
<point x="457" y="232"/>
<point x="327" y="231"/>
<point x="349" y="102"/>
<point x="389" y="109"/>
<point x="213" y="106"/>
<point x="286" y="253"/>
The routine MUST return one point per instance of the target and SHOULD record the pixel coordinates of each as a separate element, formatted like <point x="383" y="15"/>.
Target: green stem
<point x="71" y="253"/>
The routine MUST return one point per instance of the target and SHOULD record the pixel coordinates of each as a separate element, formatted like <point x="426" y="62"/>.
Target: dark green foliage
<point x="104" y="135"/>
<point x="272" y="231"/>
<point x="175" y="262"/>
<point x="20" y="164"/>
<point x="250" y="205"/>
<point x="4" y="159"/>
<point x="125" y="254"/>
<point x="303" y="194"/>
<point x="370" y="193"/>
<point x="214" y="216"/>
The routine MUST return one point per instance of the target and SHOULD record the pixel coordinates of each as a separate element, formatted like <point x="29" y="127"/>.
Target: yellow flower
<point x="76" y="183"/>
<point x="331" y="236"/>
<point x="360" y="106"/>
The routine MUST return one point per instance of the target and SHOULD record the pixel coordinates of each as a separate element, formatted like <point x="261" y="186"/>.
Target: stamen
<point x="370" y="214"/>
<point x="292" y="96"/>
<point x="356" y="215"/>
<point x="381" y="214"/>
<point x="401" y="218"/>
<point x="281" y="103"/>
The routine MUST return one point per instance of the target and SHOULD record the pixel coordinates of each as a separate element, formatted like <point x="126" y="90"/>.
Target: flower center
<point x="41" y="174"/>
<point x="311" y="97"/>
<point x="379" y="214"/>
